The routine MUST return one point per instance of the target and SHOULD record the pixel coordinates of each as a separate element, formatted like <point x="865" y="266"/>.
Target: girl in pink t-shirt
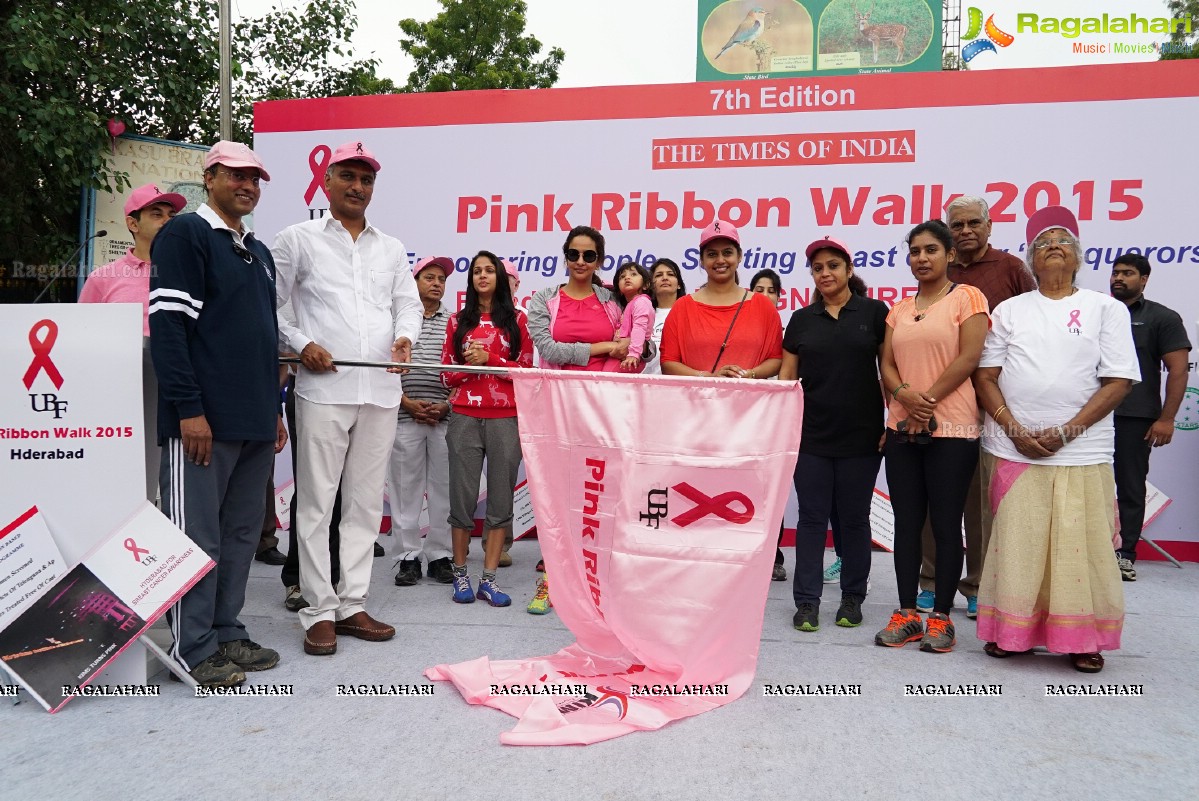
<point x="631" y="285"/>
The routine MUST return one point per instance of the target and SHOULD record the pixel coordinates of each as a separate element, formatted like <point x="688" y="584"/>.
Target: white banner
<point x="71" y="418"/>
<point x="862" y="158"/>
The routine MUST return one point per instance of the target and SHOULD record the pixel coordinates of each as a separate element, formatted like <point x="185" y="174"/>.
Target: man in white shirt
<point x="352" y="291"/>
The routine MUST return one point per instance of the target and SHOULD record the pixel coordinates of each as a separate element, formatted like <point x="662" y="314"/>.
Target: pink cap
<point x="235" y="155"/>
<point x="150" y="194"/>
<point x="1049" y="218"/>
<point x="830" y="243"/>
<point x="445" y="264"/>
<point x="510" y="268"/>
<point x="354" y="151"/>
<point x="719" y="229"/>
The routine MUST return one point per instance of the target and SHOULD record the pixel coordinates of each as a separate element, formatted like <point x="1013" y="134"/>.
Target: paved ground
<point x="316" y="745"/>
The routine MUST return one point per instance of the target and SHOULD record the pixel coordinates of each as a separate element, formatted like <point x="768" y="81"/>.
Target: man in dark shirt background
<point x="1142" y="420"/>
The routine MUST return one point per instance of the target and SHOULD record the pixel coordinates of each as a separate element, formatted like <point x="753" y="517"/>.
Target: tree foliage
<point x="477" y="44"/>
<point x="1183" y="44"/>
<point x="68" y="66"/>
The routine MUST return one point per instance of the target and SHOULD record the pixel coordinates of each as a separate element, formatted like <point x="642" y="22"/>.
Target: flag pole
<point x="441" y="368"/>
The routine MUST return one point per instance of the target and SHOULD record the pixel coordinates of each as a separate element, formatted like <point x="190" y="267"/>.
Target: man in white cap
<point x="127" y="280"/>
<point x="354" y="297"/>
<point x="420" y="459"/>
<point x="214" y="341"/>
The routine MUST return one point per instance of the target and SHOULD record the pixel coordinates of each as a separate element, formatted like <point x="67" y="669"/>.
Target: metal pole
<point x="226" y="52"/>
<point x="440" y="368"/>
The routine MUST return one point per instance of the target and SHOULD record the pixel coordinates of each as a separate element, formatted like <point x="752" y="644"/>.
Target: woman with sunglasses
<point x="722" y="331"/>
<point x="833" y="345"/>
<point x="933" y="342"/>
<point x="574" y="325"/>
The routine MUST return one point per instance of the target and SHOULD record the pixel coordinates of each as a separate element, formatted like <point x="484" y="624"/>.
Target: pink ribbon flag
<point x="658" y="501"/>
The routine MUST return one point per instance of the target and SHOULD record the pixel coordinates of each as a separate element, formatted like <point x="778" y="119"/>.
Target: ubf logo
<point x="42" y="337"/>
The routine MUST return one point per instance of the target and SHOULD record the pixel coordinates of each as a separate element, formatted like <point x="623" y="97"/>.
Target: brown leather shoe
<point x="321" y="639"/>
<point x="365" y="627"/>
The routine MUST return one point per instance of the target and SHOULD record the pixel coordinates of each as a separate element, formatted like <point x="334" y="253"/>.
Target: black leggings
<point x="929" y="480"/>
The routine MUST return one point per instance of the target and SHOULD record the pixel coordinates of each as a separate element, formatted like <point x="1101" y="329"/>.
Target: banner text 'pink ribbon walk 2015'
<point x="658" y="501"/>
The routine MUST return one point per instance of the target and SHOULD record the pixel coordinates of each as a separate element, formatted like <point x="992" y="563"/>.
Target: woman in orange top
<point x="722" y="330"/>
<point x="932" y="344"/>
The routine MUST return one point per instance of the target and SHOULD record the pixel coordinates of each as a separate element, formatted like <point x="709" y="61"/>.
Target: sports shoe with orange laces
<point x="541" y="603"/>
<point x="903" y="628"/>
<point x="939" y="635"/>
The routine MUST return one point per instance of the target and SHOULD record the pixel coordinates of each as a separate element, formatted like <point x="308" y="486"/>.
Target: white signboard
<point x="71" y="418"/>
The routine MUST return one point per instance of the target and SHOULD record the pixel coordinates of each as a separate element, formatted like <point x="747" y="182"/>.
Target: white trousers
<point x="420" y="466"/>
<point x="347" y="445"/>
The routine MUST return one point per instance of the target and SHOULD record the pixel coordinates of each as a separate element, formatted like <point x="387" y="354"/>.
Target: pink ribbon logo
<point x="137" y="552"/>
<point x="318" y="162"/>
<point x="721" y="506"/>
<point x="1074" y="321"/>
<point x="41" y="346"/>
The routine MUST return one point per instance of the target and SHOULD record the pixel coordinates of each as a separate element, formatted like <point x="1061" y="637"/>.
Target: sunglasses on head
<point x="589" y="256"/>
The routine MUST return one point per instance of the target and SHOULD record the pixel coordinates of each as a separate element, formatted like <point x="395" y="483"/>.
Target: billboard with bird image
<point x="788" y="38"/>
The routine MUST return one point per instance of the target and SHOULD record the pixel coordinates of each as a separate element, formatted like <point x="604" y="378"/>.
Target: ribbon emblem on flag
<point x="41" y="345"/>
<point x="721" y="506"/>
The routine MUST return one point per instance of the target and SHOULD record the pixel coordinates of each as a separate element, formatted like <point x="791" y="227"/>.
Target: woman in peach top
<point x="933" y="342"/>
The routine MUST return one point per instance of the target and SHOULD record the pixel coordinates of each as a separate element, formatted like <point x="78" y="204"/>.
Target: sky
<point x="601" y="52"/>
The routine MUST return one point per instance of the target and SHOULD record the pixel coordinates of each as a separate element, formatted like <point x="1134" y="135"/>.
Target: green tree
<point x="1182" y="43"/>
<point x="477" y="44"/>
<point x="68" y="66"/>
<point x="296" y="53"/>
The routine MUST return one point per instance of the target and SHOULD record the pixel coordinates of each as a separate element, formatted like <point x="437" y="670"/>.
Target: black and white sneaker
<point x="1127" y="571"/>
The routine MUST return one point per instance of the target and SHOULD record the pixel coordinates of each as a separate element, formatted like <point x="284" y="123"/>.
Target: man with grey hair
<point x="998" y="275"/>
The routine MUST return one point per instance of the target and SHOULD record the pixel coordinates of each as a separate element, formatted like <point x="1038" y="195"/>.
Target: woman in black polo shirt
<point x="833" y="345"/>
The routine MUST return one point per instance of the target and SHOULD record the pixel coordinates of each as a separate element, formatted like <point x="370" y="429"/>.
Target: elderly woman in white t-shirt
<point x="1056" y="364"/>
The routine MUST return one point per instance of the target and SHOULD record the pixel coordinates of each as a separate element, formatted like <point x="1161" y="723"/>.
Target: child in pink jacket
<point x="631" y="285"/>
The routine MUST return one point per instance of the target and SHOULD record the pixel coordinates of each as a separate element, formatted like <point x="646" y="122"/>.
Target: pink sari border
<point x="1061" y="634"/>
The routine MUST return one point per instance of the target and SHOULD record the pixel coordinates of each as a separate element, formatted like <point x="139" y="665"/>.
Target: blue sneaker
<point x="832" y="573"/>
<point x="490" y="592"/>
<point x="463" y="592"/>
<point x="925" y="601"/>
<point x="971" y="606"/>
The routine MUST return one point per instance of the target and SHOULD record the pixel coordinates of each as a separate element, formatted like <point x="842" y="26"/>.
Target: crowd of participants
<point x="1000" y="395"/>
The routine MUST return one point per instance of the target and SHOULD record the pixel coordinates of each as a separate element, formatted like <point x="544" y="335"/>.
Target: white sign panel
<point x="71" y="418"/>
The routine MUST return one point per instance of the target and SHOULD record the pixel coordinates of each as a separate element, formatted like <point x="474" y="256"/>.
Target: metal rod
<point x="1162" y="551"/>
<point x="167" y="662"/>
<point x="441" y="368"/>
<point x="226" y="71"/>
